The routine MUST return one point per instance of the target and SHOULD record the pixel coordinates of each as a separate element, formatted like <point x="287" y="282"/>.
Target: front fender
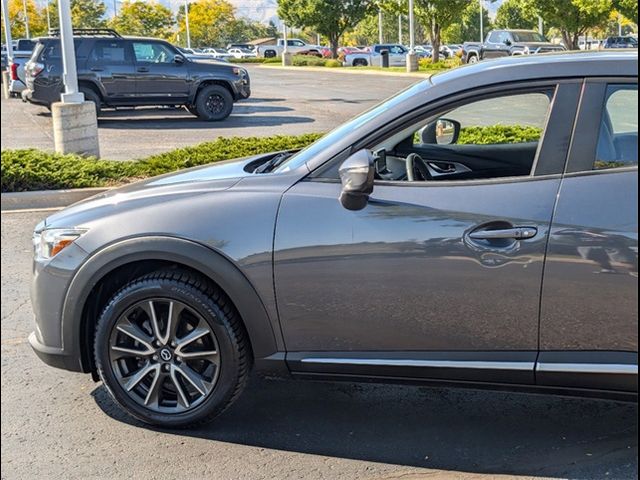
<point x="210" y="263"/>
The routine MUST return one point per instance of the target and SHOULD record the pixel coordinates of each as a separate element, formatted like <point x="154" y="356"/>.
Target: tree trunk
<point x="570" y="40"/>
<point x="334" y="39"/>
<point x="435" y="43"/>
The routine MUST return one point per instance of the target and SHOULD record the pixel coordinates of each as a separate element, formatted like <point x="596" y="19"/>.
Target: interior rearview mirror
<point x="357" y="175"/>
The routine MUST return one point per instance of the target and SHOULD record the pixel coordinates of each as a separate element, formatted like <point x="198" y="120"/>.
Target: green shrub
<point x="31" y="169"/>
<point x="444" y="64"/>
<point x="496" y="134"/>
<point x="332" y="63"/>
<point x="272" y="60"/>
<point x="307" y="61"/>
<point x="248" y="60"/>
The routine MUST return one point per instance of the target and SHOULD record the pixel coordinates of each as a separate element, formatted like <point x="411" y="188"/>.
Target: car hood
<point x="190" y="182"/>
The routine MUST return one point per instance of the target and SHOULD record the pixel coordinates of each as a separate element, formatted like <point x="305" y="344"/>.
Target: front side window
<point x="153" y="52"/>
<point x="618" y="137"/>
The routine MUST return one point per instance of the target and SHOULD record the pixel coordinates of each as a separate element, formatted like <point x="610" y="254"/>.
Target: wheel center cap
<point x="165" y="354"/>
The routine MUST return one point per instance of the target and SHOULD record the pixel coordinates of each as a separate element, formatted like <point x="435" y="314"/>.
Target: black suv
<point x="115" y="71"/>
<point x="621" y="42"/>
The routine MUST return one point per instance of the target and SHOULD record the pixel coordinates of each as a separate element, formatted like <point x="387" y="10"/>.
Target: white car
<point x="242" y="53"/>
<point x="397" y="56"/>
<point x="221" y="53"/>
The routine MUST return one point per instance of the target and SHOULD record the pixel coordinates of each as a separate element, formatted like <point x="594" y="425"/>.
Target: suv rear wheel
<point x="171" y="350"/>
<point x="214" y="103"/>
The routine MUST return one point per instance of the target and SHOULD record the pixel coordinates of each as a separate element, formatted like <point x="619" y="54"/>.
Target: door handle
<point x="517" y="233"/>
<point x="142" y="69"/>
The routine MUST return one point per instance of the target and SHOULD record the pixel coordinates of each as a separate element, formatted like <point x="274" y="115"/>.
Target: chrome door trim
<point x="379" y="362"/>
<point x="594" y="368"/>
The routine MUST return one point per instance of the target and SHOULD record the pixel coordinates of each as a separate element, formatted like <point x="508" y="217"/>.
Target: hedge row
<point x="31" y="169"/>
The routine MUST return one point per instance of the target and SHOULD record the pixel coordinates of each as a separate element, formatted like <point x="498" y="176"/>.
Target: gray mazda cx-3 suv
<point x="479" y="228"/>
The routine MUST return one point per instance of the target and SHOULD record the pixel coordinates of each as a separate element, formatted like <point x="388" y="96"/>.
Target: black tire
<point x="192" y="109"/>
<point x="360" y="62"/>
<point x="214" y="103"/>
<point x="91" y="96"/>
<point x="269" y="54"/>
<point x="213" y="307"/>
<point x="471" y="59"/>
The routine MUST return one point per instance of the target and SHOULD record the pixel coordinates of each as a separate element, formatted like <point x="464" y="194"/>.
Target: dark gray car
<point x="480" y="228"/>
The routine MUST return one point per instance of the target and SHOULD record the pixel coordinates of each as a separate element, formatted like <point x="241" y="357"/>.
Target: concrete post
<point x="75" y="126"/>
<point x="7" y="33"/>
<point x="412" y="58"/>
<point x="286" y="56"/>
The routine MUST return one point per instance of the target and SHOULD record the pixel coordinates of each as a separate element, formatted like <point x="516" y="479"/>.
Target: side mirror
<point x="507" y="42"/>
<point x="178" y="59"/>
<point x="356" y="175"/>
<point x="440" y="132"/>
<point x="447" y="131"/>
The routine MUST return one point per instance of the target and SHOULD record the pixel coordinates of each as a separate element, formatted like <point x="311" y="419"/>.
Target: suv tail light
<point x="34" y="68"/>
<point x="14" y="71"/>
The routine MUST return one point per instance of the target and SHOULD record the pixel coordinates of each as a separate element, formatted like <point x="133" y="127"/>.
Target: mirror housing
<point x="178" y="58"/>
<point x="357" y="175"/>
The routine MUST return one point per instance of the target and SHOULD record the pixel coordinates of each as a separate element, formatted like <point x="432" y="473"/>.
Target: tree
<point x="84" y="14"/>
<point x="467" y="28"/>
<point x="327" y="17"/>
<point x="37" y="19"/>
<point x="628" y="8"/>
<point x="211" y="23"/>
<point x="574" y="17"/>
<point x="517" y="14"/>
<point x="435" y="15"/>
<point x="144" y="19"/>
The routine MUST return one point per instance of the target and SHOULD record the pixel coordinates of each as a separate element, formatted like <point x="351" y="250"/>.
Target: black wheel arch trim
<point x="262" y="329"/>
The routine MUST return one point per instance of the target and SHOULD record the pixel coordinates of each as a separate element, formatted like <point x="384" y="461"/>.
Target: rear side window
<point x="618" y="137"/>
<point x="109" y="51"/>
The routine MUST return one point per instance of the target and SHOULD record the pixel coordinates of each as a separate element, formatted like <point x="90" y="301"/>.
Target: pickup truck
<point x="373" y="57"/>
<point x="22" y="50"/>
<point x="506" y="43"/>
<point x="294" y="46"/>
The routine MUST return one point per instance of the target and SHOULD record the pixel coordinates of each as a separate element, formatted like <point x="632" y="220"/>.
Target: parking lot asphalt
<point x="57" y="424"/>
<point x="282" y="102"/>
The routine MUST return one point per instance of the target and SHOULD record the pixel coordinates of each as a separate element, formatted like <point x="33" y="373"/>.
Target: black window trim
<point x="582" y="153"/>
<point x="554" y="144"/>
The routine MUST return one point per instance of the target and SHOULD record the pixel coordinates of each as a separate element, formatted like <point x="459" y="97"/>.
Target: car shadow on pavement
<point x="467" y="431"/>
<point x="178" y="122"/>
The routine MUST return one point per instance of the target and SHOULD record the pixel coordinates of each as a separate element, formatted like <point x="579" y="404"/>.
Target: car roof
<point x="542" y="66"/>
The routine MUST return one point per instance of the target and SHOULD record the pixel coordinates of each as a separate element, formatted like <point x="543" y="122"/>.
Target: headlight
<point x="48" y="243"/>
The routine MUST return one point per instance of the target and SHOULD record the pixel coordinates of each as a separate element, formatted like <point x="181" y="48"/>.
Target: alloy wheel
<point x="215" y="104"/>
<point x="164" y="355"/>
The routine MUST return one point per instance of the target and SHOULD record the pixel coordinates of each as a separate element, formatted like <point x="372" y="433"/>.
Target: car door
<point x="397" y="56"/>
<point x="159" y="77"/>
<point x="419" y="283"/>
<point x="492" y="47"/>
<point x="589" y="316"/>
<point x="111" y="64"/>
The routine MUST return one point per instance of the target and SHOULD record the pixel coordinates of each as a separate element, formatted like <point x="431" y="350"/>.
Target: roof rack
<point x="88" y="32"/>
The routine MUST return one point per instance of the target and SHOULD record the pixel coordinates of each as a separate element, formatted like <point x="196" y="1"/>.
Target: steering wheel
<point x="417" y="169"/>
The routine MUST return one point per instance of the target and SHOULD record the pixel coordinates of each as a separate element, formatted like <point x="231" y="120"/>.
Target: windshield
<point x="339" y="133"/>
<point x="528" y="37"/>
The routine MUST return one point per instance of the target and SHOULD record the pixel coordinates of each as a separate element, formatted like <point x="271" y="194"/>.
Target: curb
<point x="46" y="199"/>
<point x="349" y="70"/>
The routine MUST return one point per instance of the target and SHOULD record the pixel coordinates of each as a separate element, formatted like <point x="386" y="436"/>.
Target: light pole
<point x="400" y="29"/>
<point x="286" y="56"/>
<point x="7" y="35"/>
<point x="481" y="21"/>
<point x="380" y="38"/>
<point x="412" y="59"/>
<point x="48" y="16"/>
<point x="540" y="25"/>
<point x="115" y="8"/>
<point x="75" y="126"/>
<point x="186" y="22"/>
<point x="26" y="19"/>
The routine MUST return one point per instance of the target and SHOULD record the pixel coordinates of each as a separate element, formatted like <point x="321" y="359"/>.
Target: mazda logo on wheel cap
<point x="165" y="354"/>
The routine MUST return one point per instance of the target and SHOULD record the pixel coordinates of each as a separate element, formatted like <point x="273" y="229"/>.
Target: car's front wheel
<point x="214" y="103"/>
<point x="171" y="349"/>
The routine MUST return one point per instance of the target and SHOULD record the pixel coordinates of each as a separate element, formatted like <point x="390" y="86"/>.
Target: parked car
<point x="390" y="249"/>
<point x="294" y="46"/>
<point x="397" y="56"/>
<point x="349" y="50"/>
<point x="22" y="50"/>
<point x="116" y="71"/>
<point x="621" y="42"/>
<point x="196" y="54"/>
<point x="220" y="53"/>
<point x="239" y="53"/>
<point x="503" y="43"/>
<point x="246" y="46"/>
